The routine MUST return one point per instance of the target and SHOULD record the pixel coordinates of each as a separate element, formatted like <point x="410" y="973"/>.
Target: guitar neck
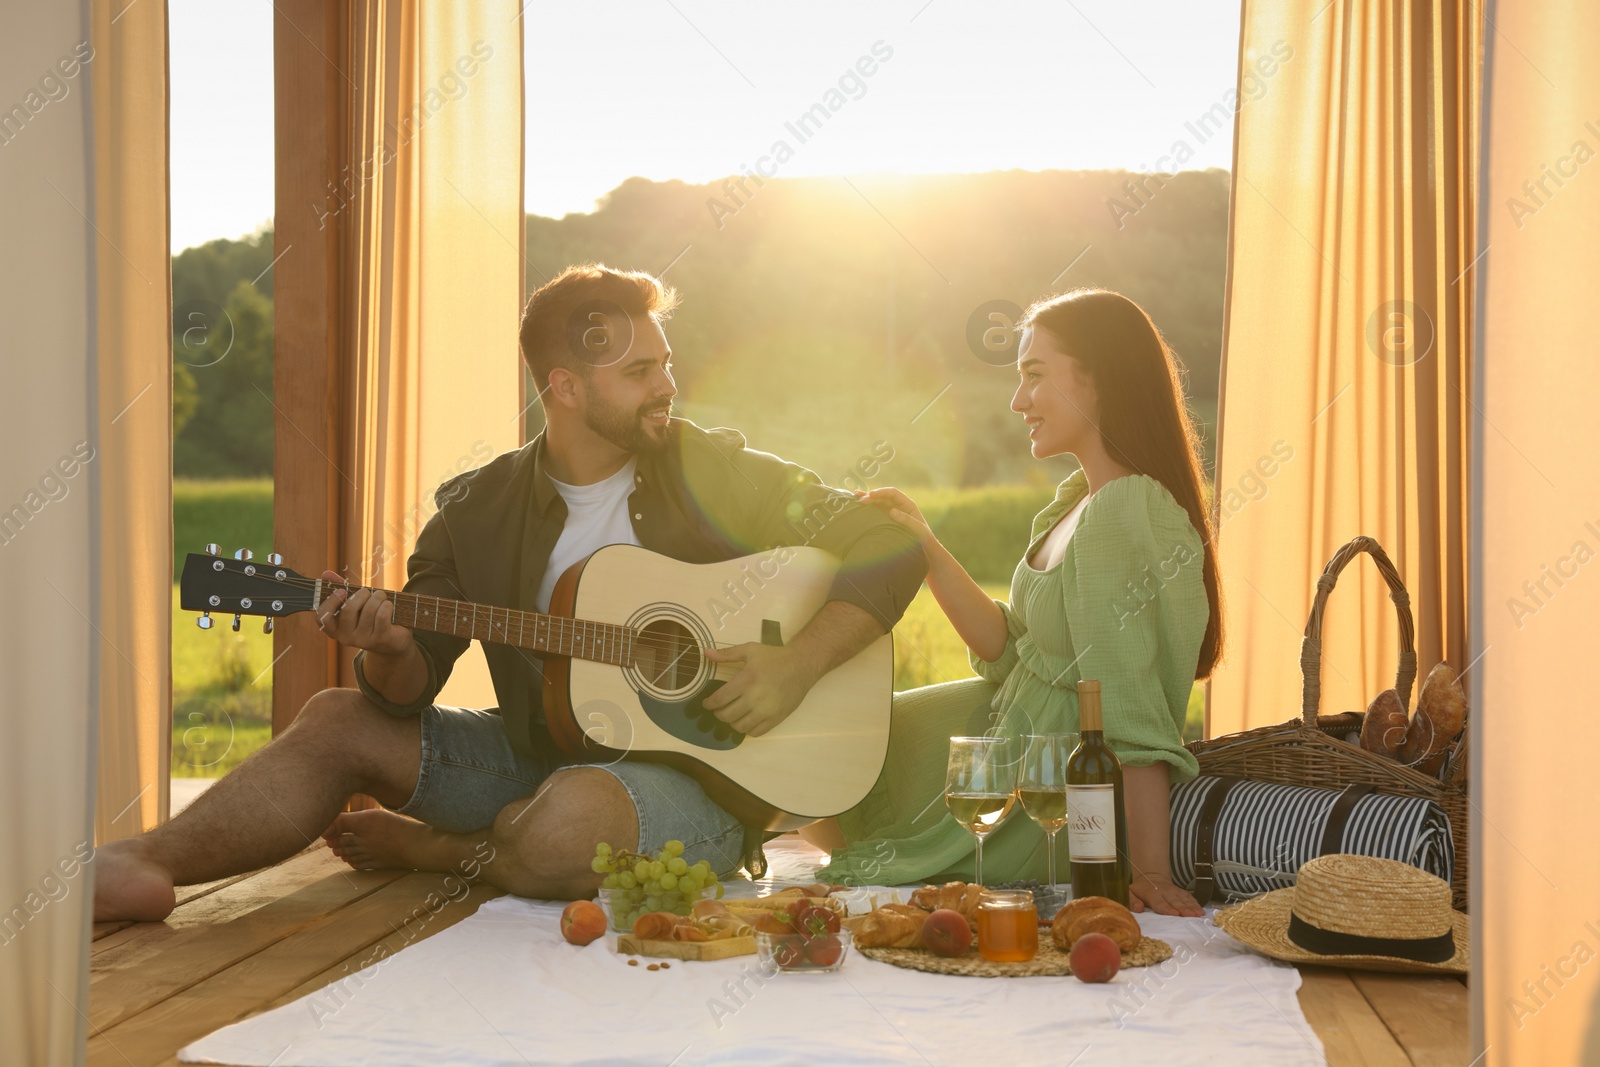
<point x="551" y="634"/>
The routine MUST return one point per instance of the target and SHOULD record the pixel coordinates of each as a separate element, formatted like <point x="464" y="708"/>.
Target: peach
<point x="946" y="933"/>
<point x="1095" y="958"/>
<point x="582" y="921"/>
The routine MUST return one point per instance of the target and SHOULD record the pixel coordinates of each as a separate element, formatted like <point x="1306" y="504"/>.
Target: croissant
<point x="1094" y="915"/>
<point x="891" y="926"/>
<point x="957" y="896"/>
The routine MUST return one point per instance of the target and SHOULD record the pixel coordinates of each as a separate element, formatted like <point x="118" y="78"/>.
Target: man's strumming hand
<point x="771" y="683"/>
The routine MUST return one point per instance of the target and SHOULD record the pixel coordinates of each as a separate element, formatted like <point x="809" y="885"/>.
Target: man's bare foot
<point x="375" y="840"/>
<point x="130" y="884"/>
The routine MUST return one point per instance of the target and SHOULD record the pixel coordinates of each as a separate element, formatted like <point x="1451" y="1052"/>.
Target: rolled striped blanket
<point x="1264" y="832"/>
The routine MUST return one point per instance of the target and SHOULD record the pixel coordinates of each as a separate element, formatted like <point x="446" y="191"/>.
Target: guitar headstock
<point x="213" y="582"/>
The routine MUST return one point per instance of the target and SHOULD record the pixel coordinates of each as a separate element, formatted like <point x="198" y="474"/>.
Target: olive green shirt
<point x="1125" y="605"/>
<point x="705" y="498"/>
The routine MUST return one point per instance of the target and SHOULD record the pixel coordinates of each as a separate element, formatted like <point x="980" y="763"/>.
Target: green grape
<point x="657" y="868"/>
<point x="676" y="865"/>
<point x="611" y="881"/>
<point x="602" y="849"/>
<point x="641" y="870"/>
<point x="599" y="865"/>
<point x="703" y="867"/>
<point x="652" y="903"/>
<point x="668" y="881"/>
<point x="719" y="891"/>
<point x="673" y="848"/>
<point x="627" y="879"/>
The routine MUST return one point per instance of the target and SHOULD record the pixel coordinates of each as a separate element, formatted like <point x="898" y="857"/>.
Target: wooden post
<point x="310" y="95"/>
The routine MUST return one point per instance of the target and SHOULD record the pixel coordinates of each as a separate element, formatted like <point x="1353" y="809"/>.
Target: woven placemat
<point x="1049" y="961"/>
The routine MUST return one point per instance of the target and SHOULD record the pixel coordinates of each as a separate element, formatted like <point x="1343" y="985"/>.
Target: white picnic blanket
<point x="502" y="988"/>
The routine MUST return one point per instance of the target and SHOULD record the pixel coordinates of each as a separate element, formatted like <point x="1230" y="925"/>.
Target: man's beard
<point x="627" y="429"/>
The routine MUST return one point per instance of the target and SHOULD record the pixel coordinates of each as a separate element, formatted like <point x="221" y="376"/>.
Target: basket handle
<point x="1311" y="643"/>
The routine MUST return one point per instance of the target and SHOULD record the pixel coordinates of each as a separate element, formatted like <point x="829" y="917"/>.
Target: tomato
<point x="824" y="951"/>
<point x="788" y="951"/>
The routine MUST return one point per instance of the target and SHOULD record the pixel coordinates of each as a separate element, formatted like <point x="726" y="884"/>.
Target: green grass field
<point x="222" y="689"/>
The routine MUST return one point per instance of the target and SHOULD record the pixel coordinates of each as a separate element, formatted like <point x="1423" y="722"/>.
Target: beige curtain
<point x="1348" y="318"/>
<point x="420" y="215"/>
<point x="433" y="255"/>
<point x="85" y="458"/>
<point x="134" y="464"/>
<point x="1536" y="536"/>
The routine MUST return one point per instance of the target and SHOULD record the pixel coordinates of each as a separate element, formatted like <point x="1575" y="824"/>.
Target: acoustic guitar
<point x="625" y="676"/>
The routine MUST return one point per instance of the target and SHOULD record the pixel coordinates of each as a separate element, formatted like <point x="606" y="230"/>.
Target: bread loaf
<point x="1383" y="729"/>
<point x="1441" y="712"/>
<point x="1094" y="915"/>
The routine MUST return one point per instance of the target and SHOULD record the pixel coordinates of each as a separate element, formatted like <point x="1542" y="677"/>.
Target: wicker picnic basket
<point x="1311" y="750"/>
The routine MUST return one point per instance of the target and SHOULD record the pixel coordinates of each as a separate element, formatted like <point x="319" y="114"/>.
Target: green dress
<point x="1126" y="605"/>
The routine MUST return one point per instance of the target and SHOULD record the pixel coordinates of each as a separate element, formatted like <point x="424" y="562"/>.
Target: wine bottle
<point x="1097" y="829"/>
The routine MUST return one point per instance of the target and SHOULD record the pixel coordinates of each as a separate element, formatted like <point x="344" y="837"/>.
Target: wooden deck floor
<point x="237" y="947"/>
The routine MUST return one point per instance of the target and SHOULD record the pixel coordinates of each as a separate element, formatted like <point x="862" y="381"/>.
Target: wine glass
<point x="1042" y="788"/>
<point x="980" y="787"/>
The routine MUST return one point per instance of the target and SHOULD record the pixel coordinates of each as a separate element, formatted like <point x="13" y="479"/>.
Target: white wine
<point x="1047" y="807"/>
<point x="979" y="812"/>
<point x="1097" y="829"/>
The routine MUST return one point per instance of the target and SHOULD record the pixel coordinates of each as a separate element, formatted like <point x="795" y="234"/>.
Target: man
<point x="486" y="790"/>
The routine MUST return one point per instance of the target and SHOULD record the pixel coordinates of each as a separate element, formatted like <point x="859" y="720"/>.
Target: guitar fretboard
<point x="602" y="642"/>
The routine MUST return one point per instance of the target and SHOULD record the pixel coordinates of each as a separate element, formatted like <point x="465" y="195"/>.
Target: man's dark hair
<point x="554" y="309"/>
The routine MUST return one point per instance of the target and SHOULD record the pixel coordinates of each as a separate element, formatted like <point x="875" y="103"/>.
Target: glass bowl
<point x="623" y="906"/>
<point x="798" y="954"/>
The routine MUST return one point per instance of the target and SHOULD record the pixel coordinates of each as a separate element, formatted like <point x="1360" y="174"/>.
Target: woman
<point x="1119" y="584"/>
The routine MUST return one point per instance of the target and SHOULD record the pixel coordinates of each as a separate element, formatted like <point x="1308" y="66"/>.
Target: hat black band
<point x="1333" y="943"/>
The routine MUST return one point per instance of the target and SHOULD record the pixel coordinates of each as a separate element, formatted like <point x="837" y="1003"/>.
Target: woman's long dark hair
<point x="1144" y="421"/>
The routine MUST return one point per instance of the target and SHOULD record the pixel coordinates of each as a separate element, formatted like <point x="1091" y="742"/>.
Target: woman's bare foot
<point x="130" y="884"/>
<point x="375" y="840"/>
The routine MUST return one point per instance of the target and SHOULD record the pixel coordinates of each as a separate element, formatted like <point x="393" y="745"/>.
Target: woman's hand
<point x="1157" y="893"/>
<point x="901" y="509"/>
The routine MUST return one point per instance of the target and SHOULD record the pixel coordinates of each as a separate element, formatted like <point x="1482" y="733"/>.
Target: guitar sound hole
<point x="668" y="655"/>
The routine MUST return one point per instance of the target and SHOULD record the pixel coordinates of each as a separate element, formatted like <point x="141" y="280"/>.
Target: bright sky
<point x="698" y="89"/>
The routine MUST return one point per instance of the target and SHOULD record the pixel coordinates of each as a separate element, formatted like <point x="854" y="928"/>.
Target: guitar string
<point x="639" y="636"/>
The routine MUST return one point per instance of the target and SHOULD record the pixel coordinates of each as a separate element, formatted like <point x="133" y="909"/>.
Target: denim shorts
<point x="470" y="771"/>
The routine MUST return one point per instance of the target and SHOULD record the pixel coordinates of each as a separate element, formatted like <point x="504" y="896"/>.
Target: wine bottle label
<point x="1092" y="823"/>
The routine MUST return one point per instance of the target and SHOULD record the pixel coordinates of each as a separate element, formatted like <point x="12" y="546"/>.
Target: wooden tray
<point x="1049" y="961"/>
<point x="629" y="945"/>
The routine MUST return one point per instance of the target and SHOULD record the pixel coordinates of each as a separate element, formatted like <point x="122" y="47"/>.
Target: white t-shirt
<point x="597" y="515"/>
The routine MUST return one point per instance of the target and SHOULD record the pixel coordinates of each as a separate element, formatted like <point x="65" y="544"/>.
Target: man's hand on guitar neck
<point x="360" y="619"/>
<point x="393" y="664"/>
<point x="773" y="680"/>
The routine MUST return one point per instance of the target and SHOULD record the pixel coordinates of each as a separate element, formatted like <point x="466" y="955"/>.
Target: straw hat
<point x="1359" y="912"/>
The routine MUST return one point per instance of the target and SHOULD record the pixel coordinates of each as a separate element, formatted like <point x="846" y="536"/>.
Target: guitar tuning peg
<point x="244" y="553"/>
<point x="236" y="624"/>
<point x="204" y="621"/>
<point x="213" y="549"/>
<point x="274" y="558"/>
<point x="267" y="629"/>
